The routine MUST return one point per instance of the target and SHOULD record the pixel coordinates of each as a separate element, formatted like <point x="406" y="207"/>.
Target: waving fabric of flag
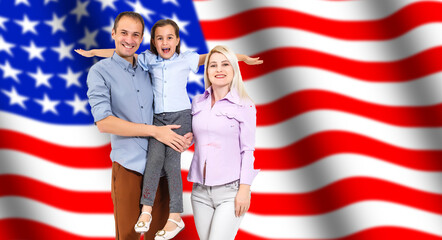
<point x="349" y="137"/>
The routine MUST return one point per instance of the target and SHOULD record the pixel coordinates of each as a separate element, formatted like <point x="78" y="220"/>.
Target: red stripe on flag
<point x="378" y="233"/>
<point x="76" y="157"/>
<point x="27" y="229"/>
<point x="310" y="100"/>
<point x="73" y="201"/>
<point x="416" y="66"/>
<point x="323" y="144"/>
<point x="397" y="24"/>
<point x="335" y="196"/>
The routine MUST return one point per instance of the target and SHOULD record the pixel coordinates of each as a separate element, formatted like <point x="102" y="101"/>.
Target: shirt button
<point x="141" y="106"/>
<point x="138" y="90"/>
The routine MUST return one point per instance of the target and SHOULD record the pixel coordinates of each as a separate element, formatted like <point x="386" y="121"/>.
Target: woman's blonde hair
<point x="237" y="82"/>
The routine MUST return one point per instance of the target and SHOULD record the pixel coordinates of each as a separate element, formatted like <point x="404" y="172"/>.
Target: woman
<point x="224" y="124"/>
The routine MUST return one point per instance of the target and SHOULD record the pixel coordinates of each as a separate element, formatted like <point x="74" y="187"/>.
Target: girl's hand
<point x="85" y="53"/>
<point x="242" y="200"/>
<point x="253" y="61"/>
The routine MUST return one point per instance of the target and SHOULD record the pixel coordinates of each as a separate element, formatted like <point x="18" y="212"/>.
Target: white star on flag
<point x="107" y="3"/>
<point x="34" y="51"/>
<point x="56" y="23"/>
<point x="181" y="24"/>
<point x="196" y="78"/>
<point x="89" y="38"/>
<point x="146" y="36"/>
<point x="65" y="51"/>
<point x="71" y="78"/>
<point x="9" y="71"/>
<point x="78" y="105"/>
<point x="108" y="28"/>
<point x="174" y="2"/>
<point x="48" y="1"/>
<point x="2" y="23"/>
<point x="41" y="78"/>
<point x="47" y="104"/>
<point x="27" y="25"/>
<point x="80" y="10"/>
<point x="15" y="98"/>
<point x="6" y="46"/>
<point x="139" y="8"/>
<point x="25" y="2"/>
<point x="184" y="47"/>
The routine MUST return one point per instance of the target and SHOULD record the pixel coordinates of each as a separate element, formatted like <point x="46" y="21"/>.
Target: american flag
<point x="349" y="133"/>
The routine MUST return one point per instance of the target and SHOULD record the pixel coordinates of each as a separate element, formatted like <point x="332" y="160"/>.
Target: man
<point x="121" y="99"/>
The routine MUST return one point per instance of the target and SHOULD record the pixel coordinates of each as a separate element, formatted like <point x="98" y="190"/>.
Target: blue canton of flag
<point x="44" y="79"/>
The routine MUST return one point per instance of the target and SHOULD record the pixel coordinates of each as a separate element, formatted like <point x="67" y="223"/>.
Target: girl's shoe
<point x="164" y="235"/>
<point x="143" y="226"/>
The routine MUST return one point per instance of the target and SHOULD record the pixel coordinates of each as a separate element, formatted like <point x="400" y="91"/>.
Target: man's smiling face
<point x="128" y="37"/>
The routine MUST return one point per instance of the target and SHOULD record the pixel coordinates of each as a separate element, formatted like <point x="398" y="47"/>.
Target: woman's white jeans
<point x="214" y="211"/>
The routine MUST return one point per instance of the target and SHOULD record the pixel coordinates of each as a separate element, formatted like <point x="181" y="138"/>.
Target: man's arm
<point x="164" y="134"/>
<point x="99" y="99"/>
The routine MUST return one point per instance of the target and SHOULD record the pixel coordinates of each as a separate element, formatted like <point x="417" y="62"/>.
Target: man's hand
<point x="189" y="139"/>
<point x="165" y="135"/>
<point x="85" y="53"/>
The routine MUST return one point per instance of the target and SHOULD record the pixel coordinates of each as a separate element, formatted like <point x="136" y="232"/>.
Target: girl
<point x="169" y="71"/>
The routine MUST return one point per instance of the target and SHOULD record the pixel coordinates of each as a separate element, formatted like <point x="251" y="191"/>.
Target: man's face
<point x="128" y="37"/>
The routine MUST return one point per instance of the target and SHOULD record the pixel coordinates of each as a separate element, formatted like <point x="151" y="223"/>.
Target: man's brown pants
<point x="126" y="192"/>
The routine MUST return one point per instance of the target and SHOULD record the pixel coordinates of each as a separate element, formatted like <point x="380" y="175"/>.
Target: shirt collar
<point x="122" y="62"/>
<point x="231" y="96"/>
<point x="160" y="59"/>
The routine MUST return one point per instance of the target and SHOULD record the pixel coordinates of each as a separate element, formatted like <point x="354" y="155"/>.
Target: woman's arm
<point x="247" y="147"/>
<point x="242" y="200"/>
<point x="96" y="52"/>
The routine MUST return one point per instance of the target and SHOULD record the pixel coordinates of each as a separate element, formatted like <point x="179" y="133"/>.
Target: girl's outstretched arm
<point x="96" y="52"/>
<point x="202" y="59"/>
<point x="249" y="60"/>
<point x="241" y="57"/>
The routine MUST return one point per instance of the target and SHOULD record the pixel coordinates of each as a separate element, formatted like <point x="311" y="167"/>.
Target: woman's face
<point x="219" y="70"/>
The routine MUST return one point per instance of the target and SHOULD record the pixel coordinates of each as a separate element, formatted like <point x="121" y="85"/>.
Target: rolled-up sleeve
<point x="247" y="144"/>
<point x="144" y="59"/>
<point x="192" y="59"/>
<point x="99" y="95"/>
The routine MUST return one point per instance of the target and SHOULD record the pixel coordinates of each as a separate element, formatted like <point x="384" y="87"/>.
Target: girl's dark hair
<point x="162" y="23"/>
<point x="133" y="15"/>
